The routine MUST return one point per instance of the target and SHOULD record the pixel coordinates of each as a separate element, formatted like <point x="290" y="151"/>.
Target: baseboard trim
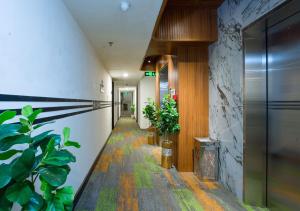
<point x="87" y="177"/>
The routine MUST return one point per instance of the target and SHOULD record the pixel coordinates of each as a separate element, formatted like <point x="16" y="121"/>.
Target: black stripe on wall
<point x="22" y="98"/>
<point x="95" y="105"/>
<point x="51" y="109"/>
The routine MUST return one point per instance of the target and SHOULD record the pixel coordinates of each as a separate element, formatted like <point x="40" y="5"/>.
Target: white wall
<point x="44" y="53"/>
<point x="146" y="88"/>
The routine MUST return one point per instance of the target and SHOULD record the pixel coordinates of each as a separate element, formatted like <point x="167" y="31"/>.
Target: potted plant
<point x="150" y="113"/>
<point x="132" y="109"/>
<point x="167" y="125"/>
<point x="42" y="157"/>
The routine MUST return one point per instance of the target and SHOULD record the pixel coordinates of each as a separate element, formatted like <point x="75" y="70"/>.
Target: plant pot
<point x="167" y="154"/>
<point x="157" y="137"/>
<point x="151" y="139"/>
<point x="151" y="135"/>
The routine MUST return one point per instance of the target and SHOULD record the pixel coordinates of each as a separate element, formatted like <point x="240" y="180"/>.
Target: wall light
<point x="125" y="75"/>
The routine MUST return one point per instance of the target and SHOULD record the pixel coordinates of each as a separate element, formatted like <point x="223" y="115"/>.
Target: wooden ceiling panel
<point x="183" y="23"/>
<point x="187" y="24"/>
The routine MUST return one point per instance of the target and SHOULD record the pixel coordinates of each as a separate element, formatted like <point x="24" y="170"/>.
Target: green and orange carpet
<point x="128" y="177"/>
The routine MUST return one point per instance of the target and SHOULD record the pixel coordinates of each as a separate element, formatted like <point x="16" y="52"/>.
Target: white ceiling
<point x="103" y="21"/>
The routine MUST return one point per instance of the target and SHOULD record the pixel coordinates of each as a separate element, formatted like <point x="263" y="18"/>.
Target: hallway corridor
<point x="128" y="176"/>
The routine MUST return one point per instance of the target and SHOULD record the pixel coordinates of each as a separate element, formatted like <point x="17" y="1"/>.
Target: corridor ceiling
<point x="103" y="21"/>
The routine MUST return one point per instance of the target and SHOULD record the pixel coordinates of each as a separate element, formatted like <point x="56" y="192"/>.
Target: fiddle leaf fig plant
<point x="150" y="112"/>
<point x="26" y="157"/>
<point x="168" y="117"/>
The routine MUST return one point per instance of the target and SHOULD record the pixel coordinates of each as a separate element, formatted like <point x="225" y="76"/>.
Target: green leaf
<point x="7" y="115"/>
<point x="8" y="142"/>
<point x="66" y="133"/>
<point x="24" y="122"/>
<point x="46" y="141"/>
<point x="22" y="167"/>
<point x="27" y="111"/>
<point x="8" y="154"/>
<point x="72" y="143"/>
<point x="5" y="205"/>
<point x="35" y="203"/>
<point x="59" y="158"/>
<point x="50" y="206"/>
<point x="34" y="115"/>
<point x="25" y="129"/>
<point x="55" y="176"/>
<point x="26" y="126"/>
<point x="69" y="207"/>
<point x="37" y="139"/>
<point x="19" y="193"/>
<point x="41" y="136"/>
<point x="47" y="190"/>
<point x="37" y="160"/>
<point x="50" y="146"/>
<point x="5" y="175"/>
<point x="67" y="168"/>
<point x="55" y="205"/>
<point x="66" y="195"/>
<point x="8" y="130"/>
<point x="56" y="138"/>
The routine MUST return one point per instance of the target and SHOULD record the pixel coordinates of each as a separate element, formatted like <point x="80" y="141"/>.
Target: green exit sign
<point x="149" y="73"/>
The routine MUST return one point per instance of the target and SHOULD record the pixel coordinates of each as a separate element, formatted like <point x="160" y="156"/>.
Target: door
<point x="283" y="188"/>
<point x="272" y="110"/>
<point x="126" y="103"/>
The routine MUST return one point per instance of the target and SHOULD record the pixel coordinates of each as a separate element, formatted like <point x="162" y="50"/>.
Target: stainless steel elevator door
<point x="284" y="115"/>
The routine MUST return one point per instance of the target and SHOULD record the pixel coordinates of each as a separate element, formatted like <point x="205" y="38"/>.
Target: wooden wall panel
<point x="193" y="101"/>
<point x="187" y="24"/>
<point x="188" y="75"/>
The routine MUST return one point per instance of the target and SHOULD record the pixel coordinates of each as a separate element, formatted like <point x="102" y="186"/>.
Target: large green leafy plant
<point x="43" y="156"/>
<point x="150" y="112"/>
<point x="168" y="117"/>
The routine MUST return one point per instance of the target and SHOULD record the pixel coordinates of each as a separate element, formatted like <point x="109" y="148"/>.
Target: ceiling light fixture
<point x="125" y="75"/>
<point x="125" y="5"/>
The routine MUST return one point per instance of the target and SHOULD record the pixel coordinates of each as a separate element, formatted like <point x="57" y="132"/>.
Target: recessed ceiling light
<point x="125" y="75"/>
<point x="125" y="5"/>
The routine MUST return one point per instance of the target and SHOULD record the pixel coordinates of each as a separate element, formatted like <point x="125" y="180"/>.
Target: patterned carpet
<point x="128" y="177"/>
